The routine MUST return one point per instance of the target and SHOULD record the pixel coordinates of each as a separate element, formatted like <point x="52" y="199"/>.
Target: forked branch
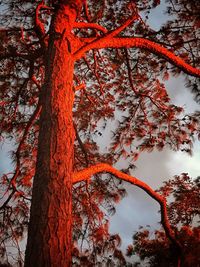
<point x="126" y="42"/>
<point x="103" y="167"/>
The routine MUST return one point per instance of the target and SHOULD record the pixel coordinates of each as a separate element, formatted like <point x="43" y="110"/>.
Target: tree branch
<point x="79" y="87"/>
<point x="39" y="25"/>
<point x="8" y="199"/>
<point x="26" y="56"/>
<point x="103" y="167"/>
<point x="81" y="145"/>
<point x="116" y="31"/>
<point x="109" y="34"/>
<point x="13" y="54"/>
<point x="86" y="25"/>
<point x="17" y="153"/>
<point x="126" y="42"/>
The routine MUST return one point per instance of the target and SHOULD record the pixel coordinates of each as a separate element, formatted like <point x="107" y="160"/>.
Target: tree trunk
<point x="50" y="229"/>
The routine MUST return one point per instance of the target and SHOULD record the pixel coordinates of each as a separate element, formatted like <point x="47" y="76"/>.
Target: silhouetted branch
<point x="14" y="54"/>
<point x="8" y="199"/>
<point x="81" y="145"/>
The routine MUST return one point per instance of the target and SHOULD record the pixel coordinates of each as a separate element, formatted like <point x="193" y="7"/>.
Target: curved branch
<point x="126" y="42"/>
<point x="38" y="24"/>
<point x="103" y="167"/>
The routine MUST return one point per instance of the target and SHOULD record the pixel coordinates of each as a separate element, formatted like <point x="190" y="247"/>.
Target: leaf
<point x="166" y="76"/>
<point x="135" y="156"/>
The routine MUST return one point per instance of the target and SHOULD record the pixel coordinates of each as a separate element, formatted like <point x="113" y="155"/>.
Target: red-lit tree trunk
<point x="50" y="234"/>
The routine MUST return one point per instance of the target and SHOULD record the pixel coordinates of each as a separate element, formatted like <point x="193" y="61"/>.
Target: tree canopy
<point x="119" y="67"/>
<point x="184" y="215"/>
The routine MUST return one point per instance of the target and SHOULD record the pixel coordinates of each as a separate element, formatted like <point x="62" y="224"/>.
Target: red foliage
<point x="124" y="82"/>
<point x="184" y="213"/>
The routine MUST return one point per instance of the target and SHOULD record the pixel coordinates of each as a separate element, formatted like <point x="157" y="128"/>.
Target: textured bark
<point x="50" y="233"/>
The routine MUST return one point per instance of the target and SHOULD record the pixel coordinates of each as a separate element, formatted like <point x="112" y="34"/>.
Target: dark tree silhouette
<point x="69" y="68"/>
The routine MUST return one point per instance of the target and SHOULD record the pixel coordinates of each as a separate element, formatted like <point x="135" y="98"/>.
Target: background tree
<point x="69" y="68"/>
<point x="184" y="212"/>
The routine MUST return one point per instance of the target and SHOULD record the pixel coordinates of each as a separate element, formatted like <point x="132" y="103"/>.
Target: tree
<point x="184" y="214"/>
<point x="70" y="68"/>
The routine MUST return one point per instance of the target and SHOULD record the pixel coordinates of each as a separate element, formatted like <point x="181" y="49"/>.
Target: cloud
<point x="5" y="162"/>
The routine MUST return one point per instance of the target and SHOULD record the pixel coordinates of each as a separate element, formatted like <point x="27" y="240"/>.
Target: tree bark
<point x="50" y="228"/>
